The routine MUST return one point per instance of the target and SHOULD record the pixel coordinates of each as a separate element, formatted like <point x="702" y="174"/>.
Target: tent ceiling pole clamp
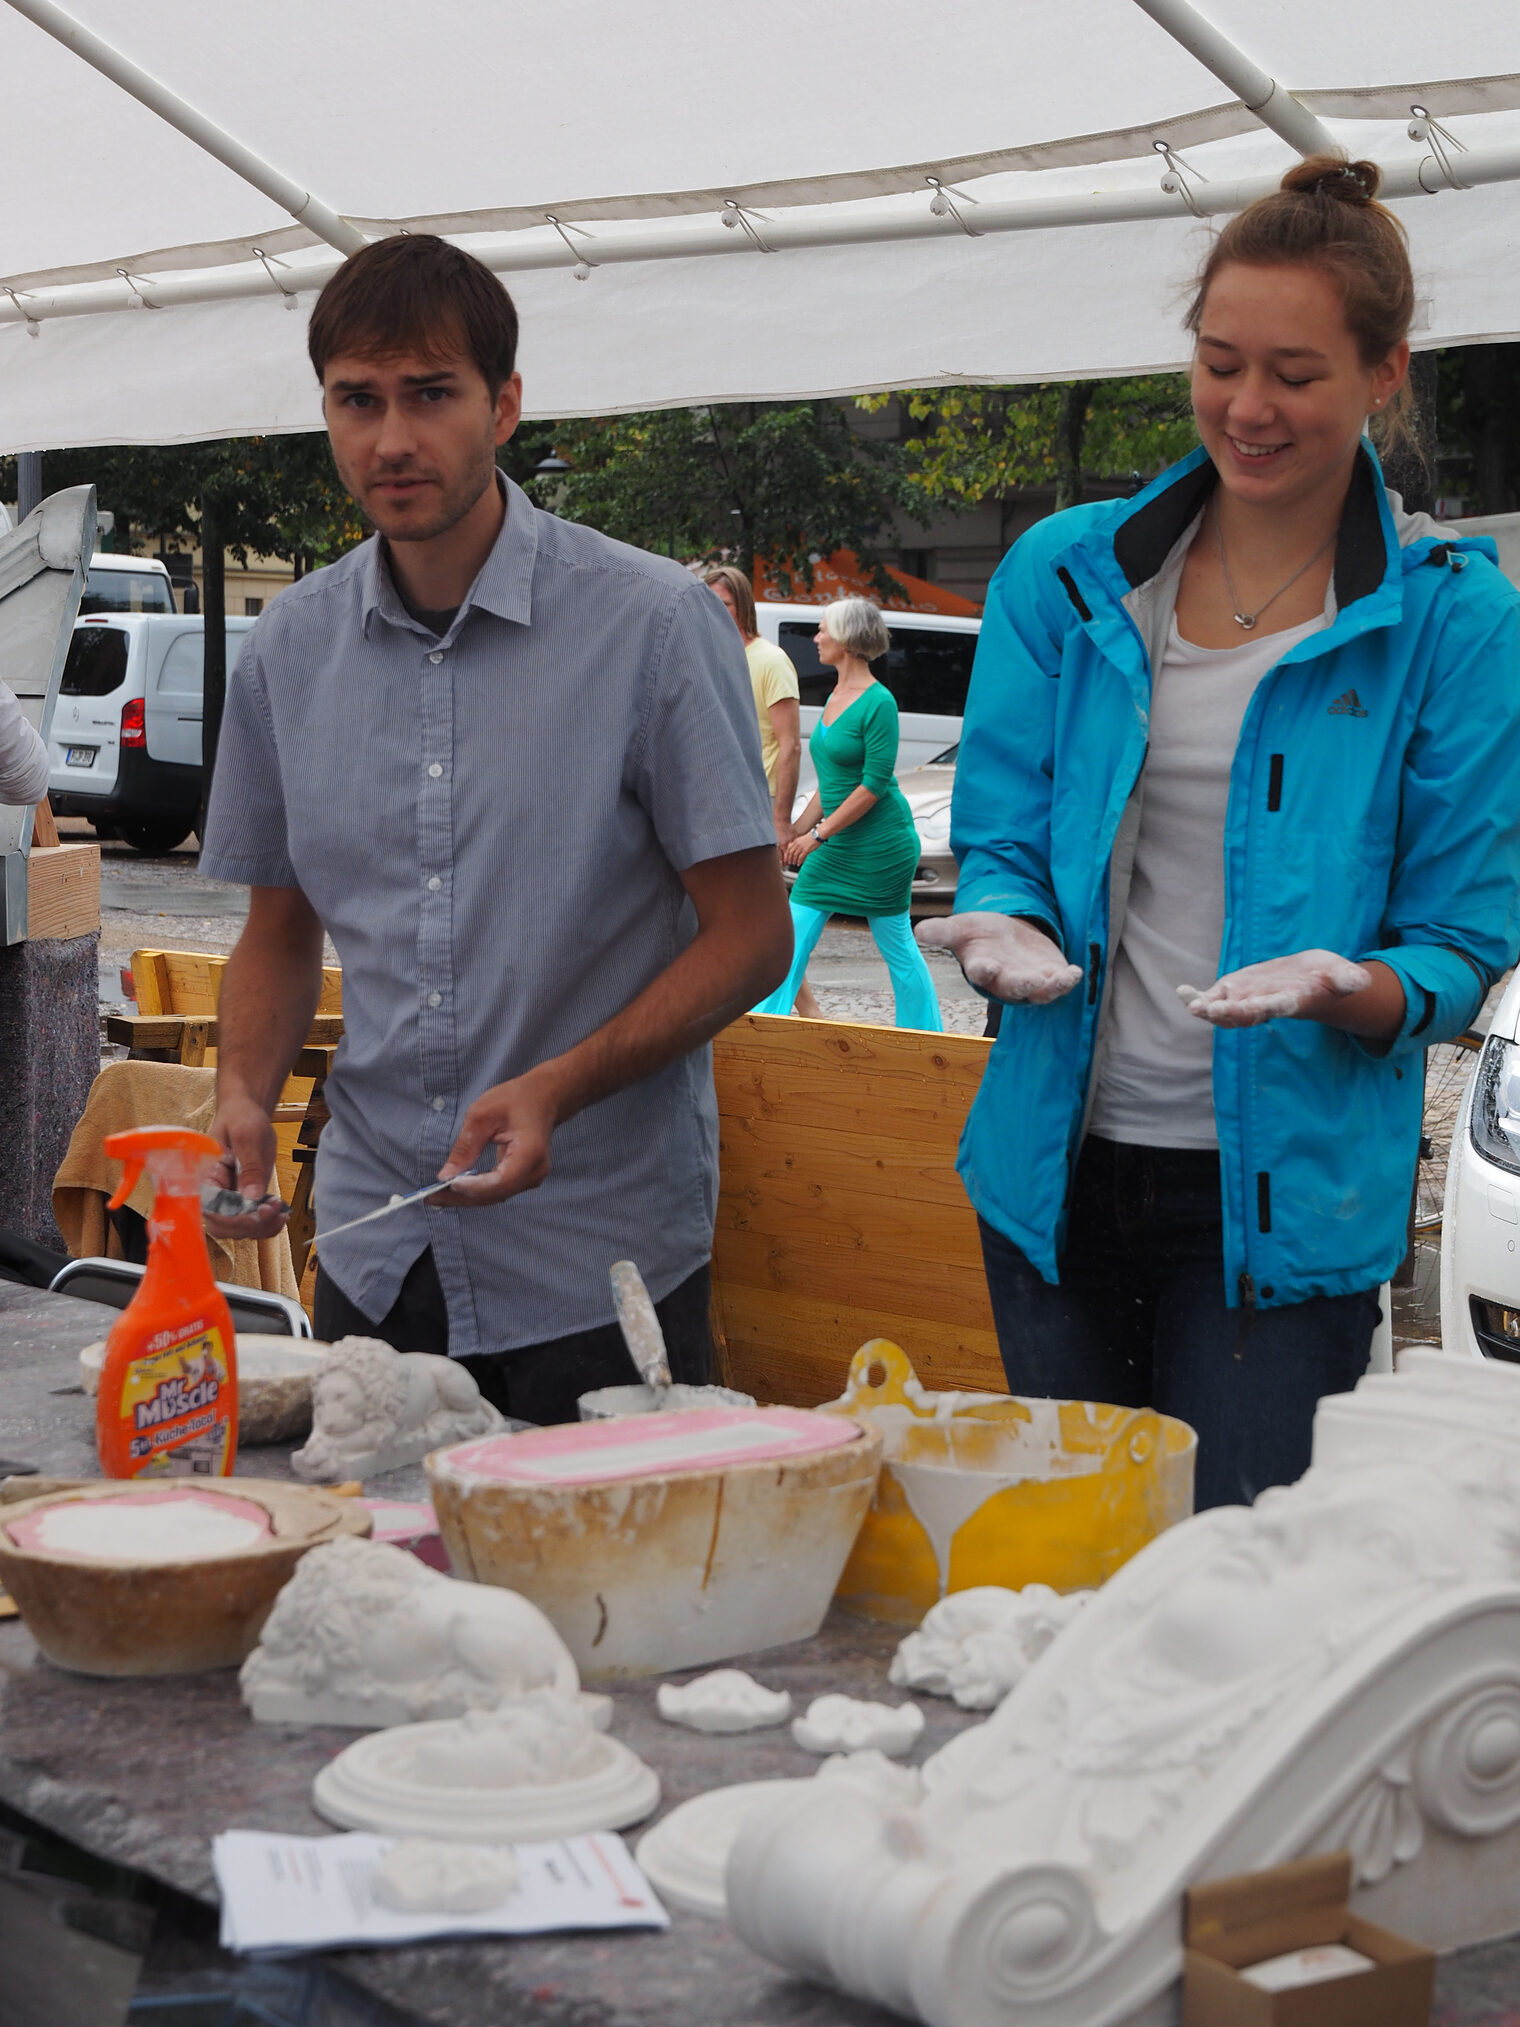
<point x="1273" y="104"/>
<point x="139" y="84"/>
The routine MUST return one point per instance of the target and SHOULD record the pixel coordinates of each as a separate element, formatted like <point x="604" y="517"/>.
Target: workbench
<point x="142" y="1773"/>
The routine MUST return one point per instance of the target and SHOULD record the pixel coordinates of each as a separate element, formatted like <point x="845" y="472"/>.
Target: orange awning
<point x="840" y="576"/>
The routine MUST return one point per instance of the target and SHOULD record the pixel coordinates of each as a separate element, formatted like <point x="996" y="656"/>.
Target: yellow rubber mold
<point x="1092" y="1484"/>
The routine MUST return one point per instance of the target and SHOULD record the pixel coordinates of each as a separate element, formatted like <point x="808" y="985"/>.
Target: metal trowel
<point x="641" y="1329"/>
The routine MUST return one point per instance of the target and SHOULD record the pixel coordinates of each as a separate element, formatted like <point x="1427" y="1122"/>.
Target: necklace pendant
<point x="1245" y="619"/>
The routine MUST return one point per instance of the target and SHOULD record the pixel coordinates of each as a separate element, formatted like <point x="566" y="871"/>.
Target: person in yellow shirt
<point x="774" y="682"/>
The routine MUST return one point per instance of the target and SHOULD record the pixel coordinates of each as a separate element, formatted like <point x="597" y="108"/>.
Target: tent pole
<point x="110" y="62"/>
<point x="1262" y="95"/>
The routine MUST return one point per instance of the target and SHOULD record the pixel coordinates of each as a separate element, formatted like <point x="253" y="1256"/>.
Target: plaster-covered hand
<point x="244" y="1128"/>
<point x="1281" y="989"/>
<point x="1001" y="955"/>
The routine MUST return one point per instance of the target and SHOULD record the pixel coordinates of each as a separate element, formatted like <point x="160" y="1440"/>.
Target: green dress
<point x="868" y="868"/>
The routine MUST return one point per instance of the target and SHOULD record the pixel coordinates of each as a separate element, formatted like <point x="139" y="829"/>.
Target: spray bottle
<point x="168" y="1399"/>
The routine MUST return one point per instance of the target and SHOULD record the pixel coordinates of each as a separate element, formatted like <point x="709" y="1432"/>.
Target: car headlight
<point x="1495" y="1117"/>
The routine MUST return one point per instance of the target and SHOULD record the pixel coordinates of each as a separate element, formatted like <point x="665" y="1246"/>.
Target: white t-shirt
<point x="1155" y="1076"/>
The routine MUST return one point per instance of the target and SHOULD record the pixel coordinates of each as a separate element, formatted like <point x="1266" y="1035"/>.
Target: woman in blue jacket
<point x="1237" y="812"/>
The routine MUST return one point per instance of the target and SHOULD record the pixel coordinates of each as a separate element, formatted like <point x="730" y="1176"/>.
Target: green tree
<point x="788" y="481"/>
<point x="968" y="445"/>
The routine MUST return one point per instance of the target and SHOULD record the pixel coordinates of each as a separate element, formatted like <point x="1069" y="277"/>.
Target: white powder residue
<point x="146" y="1531"/>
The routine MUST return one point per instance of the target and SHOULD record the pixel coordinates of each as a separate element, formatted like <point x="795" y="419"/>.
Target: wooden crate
<point x="840" y="1215"/>
<point x="62" y="891"/>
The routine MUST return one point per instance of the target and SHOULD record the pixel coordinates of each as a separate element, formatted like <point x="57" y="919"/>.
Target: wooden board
<point x="62" y="891"/>
<point x="190" y="982"/>
<point x="840" y="1215"/>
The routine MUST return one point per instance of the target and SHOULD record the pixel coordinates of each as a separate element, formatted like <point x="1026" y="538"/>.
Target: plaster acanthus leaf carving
<point x="365" y="1634"/>
<point x="726" y="1700"/>
<point x="844" y="1724"/>
<point x="374" y="1409"/>
<point x="531" y="1770"/>
<point x="1343" y="1658"/>
<point x="976" y="1644"/>
<point x="418" y="1875"/>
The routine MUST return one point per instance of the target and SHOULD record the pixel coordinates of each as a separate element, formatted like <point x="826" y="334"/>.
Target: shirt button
<point x="434" y="884"/>
<point x="435" y="999"/>
<point x="438" y="1104"/>
<point x="435" y="658"/>
<point x="435" y="770"/>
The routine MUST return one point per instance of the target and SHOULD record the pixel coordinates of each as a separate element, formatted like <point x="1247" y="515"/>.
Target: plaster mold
<point x="161" y="1576"/>
<point x="727" y="1700"/>
<point x="606" y="1403"/>
<point x="365" y="1634"/>
<point x="977" y="1644"/>
<point x="844" y="1724"/>
<point x="529" y="1771"/>
<point x="418" y="1875"/>
<point x="274" y="1384"/>
<point x="1336" y="1667"/>
<point x="375" y="1409"/>
<point x="663" y="1542"/>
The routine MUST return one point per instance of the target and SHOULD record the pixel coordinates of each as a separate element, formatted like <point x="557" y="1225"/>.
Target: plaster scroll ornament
<point x="1339" y="1664"/>
<point x="532" y="1770"/>
<point x="975" y="1645"/>
<point x="725" y="1700"/>
<point x="418" y="1875"/>
<point x="365" y="1634"/>
<point x="374" y="1409"/>
<point x="845" y="1724"/>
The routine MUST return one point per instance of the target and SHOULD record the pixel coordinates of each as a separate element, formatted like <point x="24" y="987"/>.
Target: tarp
<point x="841" y="576"/>
<point x="815" y="129"/>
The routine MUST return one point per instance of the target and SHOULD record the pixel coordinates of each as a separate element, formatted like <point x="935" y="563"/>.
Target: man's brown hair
<point x="415" y="293"/>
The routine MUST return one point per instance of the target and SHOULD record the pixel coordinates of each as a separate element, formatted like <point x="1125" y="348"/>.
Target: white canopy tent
<point x="697" y="202"/>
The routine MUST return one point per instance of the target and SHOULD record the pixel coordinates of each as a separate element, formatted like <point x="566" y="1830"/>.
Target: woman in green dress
<point x="854" y="844"/>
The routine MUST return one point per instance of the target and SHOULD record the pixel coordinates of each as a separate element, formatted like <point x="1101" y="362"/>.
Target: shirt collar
<point x="504" y="585"/>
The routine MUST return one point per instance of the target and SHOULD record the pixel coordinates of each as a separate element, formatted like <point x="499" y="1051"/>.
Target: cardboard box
<point x="1231" y="1924"/>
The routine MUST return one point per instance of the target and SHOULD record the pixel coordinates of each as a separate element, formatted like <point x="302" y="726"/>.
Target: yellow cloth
<point x="150" y="1094"/>
<point x="771" y="677"/>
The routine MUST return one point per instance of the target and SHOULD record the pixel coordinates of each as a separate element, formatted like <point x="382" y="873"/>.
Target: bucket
<point x="997" y="1489"/>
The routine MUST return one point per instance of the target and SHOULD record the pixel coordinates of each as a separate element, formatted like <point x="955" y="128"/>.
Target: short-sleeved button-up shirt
<point x="491" y="826"/>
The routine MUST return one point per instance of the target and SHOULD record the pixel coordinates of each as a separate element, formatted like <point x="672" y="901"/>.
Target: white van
<point x="927" y="669"/>
<point x="126" y="734"/>
<point x="127" y="584"/>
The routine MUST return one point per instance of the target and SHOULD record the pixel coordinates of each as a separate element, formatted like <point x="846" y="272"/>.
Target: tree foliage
<point x="967" y="445"/>
<point x="789" y="481"/>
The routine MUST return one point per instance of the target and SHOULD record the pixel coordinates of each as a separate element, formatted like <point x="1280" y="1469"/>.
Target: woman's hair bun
<point x="1332" y="176"/>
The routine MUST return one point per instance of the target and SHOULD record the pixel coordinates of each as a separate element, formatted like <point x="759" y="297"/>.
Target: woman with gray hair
<point x="854" y="844"/>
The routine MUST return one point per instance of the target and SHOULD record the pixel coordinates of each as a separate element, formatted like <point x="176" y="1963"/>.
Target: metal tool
<point x="397" y="1203"/>
<point x="230" y="1203"/>
<point x="641" y="1328"/>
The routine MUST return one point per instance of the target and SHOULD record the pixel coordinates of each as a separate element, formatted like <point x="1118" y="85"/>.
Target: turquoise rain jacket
<point x="1374" y="810"/>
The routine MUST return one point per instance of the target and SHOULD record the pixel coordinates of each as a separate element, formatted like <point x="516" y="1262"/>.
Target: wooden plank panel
<point x="190" y="982"/>
<point x="861" y="1227"/>
<point x="766" y="1155"/>
<point x="822" y="1265"/>
<point x="797" y="1350"/>
<point x="768" y="1039"/>
<point x="62" y="891"/>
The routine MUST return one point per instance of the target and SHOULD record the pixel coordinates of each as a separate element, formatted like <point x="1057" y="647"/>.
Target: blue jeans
<point x="1140" y="1319"/>
<point x="914" y="1000"/>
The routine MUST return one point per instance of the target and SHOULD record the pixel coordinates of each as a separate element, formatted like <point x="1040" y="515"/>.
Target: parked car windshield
<point x="97" y="661"/>
<point x="926" y="669"/>
<point x="126" y="591"/>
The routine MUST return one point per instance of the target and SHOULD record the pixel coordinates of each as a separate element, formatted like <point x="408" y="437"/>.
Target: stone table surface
<point x="146" y="1772"/>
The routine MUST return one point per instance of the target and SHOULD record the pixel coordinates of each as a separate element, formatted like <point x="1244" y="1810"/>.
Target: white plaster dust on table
<point x="365" y="1634"/>
<point x="531" y="1769"/>
<point x="1337" y="1667"/>
<point x="727" y="1700"/>
<point x="375" y="1409"/>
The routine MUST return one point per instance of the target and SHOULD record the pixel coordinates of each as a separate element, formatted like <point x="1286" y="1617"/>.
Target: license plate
<point x="82" y="756"/>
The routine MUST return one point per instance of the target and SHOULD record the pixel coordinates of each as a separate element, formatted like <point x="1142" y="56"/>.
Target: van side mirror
<point x="192" y="598"/>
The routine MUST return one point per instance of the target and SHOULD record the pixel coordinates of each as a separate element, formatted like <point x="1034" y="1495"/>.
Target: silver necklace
<point x="1249" y="619"/>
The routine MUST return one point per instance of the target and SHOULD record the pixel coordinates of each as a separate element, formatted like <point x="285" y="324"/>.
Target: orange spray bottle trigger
<point x="129" y="1175"/>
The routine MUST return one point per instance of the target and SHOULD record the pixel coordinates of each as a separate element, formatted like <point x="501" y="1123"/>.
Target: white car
<point x="1480" y="1219"/>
